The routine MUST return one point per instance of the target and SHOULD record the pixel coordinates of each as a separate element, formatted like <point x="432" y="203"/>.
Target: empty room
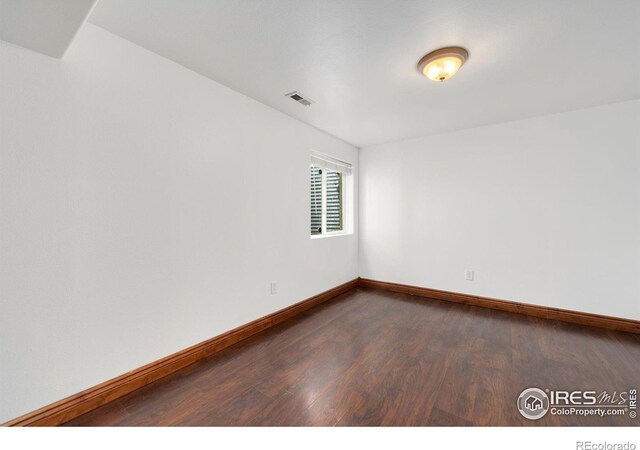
<point x="328" y="214"/>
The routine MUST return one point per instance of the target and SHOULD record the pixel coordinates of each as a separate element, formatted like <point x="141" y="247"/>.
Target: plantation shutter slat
<point x="334" y="201"/>
<point x="316" y="200"/>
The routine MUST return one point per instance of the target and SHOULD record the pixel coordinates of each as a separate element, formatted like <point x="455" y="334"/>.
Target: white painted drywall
<point x="143" y="208"/>
<point x="42" y="25"/>
<point x="544" y="210"/>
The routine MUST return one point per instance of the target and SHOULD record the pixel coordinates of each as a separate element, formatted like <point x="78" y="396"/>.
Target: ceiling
<point x="43" y="25"/>
<point x="357" y="58"/>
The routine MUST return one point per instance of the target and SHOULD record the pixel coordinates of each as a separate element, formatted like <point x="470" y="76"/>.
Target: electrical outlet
<point x="274" y="287"/>
<point x="468" y="275"/>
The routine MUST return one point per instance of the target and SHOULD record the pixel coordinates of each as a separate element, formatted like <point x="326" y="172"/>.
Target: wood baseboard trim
<point x="582" y="318"/>
<point x="74" y="406"/>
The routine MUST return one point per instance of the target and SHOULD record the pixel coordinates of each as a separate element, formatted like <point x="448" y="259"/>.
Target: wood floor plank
<point x="374" y="358"/>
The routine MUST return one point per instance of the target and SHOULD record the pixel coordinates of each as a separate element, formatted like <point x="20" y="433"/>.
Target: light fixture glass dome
<point x="442" y="64"/>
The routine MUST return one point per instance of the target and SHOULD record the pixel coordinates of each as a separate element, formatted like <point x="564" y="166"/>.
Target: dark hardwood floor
<point x="372" y="357"/>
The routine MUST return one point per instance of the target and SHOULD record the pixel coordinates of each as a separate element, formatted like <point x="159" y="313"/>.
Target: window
<point x="330" y="188"/>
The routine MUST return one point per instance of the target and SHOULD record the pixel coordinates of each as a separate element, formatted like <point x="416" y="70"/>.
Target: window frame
<point x="346" y="204"/>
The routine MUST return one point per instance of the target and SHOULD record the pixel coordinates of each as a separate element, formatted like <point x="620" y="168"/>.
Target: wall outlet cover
<point x="468" y="275"/>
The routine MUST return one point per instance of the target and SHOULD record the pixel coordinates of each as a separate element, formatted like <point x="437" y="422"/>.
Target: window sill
<point x="330" y="235"/>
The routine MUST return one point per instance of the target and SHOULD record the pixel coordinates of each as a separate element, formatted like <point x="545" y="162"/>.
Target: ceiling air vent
<point x="300" y="98"/>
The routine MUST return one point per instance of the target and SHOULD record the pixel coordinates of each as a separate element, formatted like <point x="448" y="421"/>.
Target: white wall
<point x="545" y="210"/>
<point x="143" y="209"/>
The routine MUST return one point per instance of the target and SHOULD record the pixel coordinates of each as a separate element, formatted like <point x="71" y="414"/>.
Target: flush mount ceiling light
<point x="442" y="64"/>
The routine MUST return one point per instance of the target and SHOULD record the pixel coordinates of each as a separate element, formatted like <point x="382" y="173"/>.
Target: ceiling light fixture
<point x="442" y="64"/>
